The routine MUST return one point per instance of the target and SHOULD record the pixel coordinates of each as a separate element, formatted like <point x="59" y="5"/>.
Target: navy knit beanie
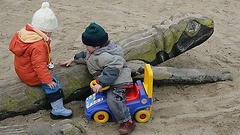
<point x="94" y="35"/>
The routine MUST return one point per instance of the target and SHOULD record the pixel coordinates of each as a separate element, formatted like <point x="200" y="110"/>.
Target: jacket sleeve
<point x="112" y="66"/>
<point x="79" y="58"/>
<point x="39" y="61"/>
<point x="108" y="76"/>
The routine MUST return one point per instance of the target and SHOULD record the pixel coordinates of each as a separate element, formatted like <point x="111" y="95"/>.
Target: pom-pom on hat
<point x="94" y="35"/>
<point x="44" y="19"/>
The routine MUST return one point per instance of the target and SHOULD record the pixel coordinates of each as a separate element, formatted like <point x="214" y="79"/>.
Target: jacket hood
<point x="23" y="39"/>
<point x="111" y="48"/>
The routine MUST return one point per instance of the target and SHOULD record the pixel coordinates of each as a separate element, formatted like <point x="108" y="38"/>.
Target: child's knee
<point x="118" y="94"/>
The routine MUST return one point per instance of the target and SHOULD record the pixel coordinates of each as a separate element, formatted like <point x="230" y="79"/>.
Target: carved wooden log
<point x="19" y="99"/>
<point x="155" y="45"/>
<point x="168" y="39"/>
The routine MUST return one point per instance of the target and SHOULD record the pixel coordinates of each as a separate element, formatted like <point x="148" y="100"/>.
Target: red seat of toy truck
<point x="133" y="93"/>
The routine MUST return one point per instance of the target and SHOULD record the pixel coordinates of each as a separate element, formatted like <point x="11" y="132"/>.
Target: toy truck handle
<point x="94" y="82"/>
<point x="148" y="80"/>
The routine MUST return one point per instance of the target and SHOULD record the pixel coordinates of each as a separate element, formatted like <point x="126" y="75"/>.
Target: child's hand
<point x="96" y="88"/>
<point x="52" y="85"/>
<point x="66" y="63"/>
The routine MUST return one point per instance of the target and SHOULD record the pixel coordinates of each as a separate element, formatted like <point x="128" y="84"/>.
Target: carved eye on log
<point x="192" y="28"/>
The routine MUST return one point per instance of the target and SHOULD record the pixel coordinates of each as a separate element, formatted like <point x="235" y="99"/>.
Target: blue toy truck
<point x="138" y="100"/>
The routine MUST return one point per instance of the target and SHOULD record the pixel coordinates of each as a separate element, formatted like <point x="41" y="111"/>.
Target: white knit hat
<point x="44" y="19"/>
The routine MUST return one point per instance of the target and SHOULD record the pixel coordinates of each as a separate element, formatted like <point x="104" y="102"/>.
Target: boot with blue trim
<point x="59" y="111"/>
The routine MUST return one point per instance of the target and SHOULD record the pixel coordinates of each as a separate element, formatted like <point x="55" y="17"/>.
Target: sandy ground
<point x="204" y="109"/>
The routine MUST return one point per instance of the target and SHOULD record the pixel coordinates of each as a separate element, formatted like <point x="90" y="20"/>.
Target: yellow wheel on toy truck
<point x="101" y="117"/>
<point x="142" y="116"/>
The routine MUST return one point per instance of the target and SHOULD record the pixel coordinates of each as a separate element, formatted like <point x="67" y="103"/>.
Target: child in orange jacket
<point x="31" y="47"/>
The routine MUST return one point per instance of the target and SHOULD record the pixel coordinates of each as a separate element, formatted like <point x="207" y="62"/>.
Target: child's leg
<point x="54" y="97"/>
<point x="116" y="100"/>
<point x="53" y="94"/>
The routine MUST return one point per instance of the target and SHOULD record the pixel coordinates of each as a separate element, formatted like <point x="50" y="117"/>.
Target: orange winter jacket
<point x="31" y="48"/>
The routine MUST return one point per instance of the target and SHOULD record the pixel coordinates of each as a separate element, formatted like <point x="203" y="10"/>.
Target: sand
<point x="203" y="109"/>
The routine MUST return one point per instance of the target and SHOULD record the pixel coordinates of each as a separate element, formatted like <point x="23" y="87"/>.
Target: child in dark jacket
<point x="105" y="62"/>
<point x="31" y="47"/>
